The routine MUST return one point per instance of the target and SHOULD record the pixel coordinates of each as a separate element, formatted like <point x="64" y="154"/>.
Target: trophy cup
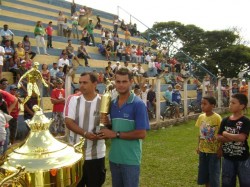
<point x="105" y="105"/>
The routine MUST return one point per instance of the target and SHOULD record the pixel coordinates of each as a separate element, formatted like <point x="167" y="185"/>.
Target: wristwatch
<point x="118" y="134"/>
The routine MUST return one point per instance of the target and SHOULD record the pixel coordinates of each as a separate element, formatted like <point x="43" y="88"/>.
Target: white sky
<point x="206" y="14"/>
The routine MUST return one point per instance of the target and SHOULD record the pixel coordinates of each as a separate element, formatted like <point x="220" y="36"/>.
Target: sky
<point x="206" y="14"/>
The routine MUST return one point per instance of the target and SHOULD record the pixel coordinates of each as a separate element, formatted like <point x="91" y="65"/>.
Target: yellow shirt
<point x="209" y="127"/>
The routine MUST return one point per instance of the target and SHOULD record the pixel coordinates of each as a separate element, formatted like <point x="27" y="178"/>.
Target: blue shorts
<point x="230" y="169"/>
<point x="209" y="169"/>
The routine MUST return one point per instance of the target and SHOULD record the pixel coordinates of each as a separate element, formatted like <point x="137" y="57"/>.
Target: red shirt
<point x="15" y="112"/>
<point x="57" y="94"/>
<point x="49" y="30"/>
<point x="8" y="98"/>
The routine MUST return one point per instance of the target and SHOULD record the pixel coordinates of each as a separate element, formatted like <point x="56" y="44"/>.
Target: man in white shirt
<point x="2" y="52"/>
<point x="63" y="61"/>
<point x="82" y="116"/>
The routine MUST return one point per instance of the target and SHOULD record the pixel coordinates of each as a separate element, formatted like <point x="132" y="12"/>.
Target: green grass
<point x="169" y="157"/>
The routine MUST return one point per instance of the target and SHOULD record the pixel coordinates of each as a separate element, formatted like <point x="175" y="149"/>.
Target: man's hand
<point x="91" y="136"/>
<point x="106" y="134"/>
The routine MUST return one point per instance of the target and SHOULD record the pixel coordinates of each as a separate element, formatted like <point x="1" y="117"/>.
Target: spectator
<point x="235" y="88"/>
<point x="39" y="35"/>
<point x="14" y="114"/>
<point x="115" y="39"/>
<point x="20" y="51"/>
<point x="176" y="99"/>
<point x="49" y="30"/>
<point x="73" y="8"/>
<point x="154" y="43"/>
<point x="90" y="29"/>
<point x="127" y="37"/>
<point x="14" y="64"/>
<point x="85" y="36"/>
<point x="4" y="126"/>
<point x="82" y="12"/>
<point x="58" y="101"/>
<point x="83" y="54"/>
<point x="74" y="19"/>
<point x="101" y="48"/>
<point x="123" y="25"/>
<point x="139" y="53"/>
<point x="64" y="60"/>
<point x="152" y="68"/>
<point x="144" y="93"/>
<point x="120" y="50"/>
<point x="60" y="22"/>
<point x="46" y="76"/>
<point x="100" y="77"/>
<point x="115" y="23"/>
<point x="66" y="29"/>
<point x="28" y="106"/>
<point x="53" y="72"/>
<point x="71" y="52"/>
<point x="7" y="34"/>
<point x="133" y="54"/>
<point x="128" y="53"/>
<point x="168" y="95"/>
<point x="108" y="71"/>
<point x="9" y="53"/>
<point x="27" y="46"/>
<point x="244" y="88"/>
<point x="98" y="23"/>
<point x="109" y="50"/>
<point x="29" y="62"/>
<point x="60" y="74"/>
<point x="151" y="98"/>
<point x="2" y="52"/>
<point x="4" y="84"/>
<point x="116" y="67"/>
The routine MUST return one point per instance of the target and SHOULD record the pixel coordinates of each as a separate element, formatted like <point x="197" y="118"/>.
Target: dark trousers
<point x="33" y="54"/>
<point x="82" y="56"/>
<point x="13" y="129"/>
<point x="94" y="173"/>
<point x="49" y="41"/>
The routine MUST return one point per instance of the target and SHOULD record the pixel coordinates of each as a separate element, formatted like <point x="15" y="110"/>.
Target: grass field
<point x="169" y="157"/>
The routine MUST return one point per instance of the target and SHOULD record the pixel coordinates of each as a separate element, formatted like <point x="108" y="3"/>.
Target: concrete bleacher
<point x="22" y="15"/>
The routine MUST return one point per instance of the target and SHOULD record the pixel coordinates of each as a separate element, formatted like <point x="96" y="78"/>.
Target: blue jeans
<point x="230" y="169"/>
<point x="7" y="140"/>
<point x="209" y="169"/>
<point x="124" y="175"/>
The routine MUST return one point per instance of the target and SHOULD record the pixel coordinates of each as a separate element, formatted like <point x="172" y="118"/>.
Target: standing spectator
<point x="98" y="23"/>
<point x="53" y="72"/>
<point x="129" y="124"/>
<point x="235" y="88"/>
<point x="128" y="53"/>
<point x="2" y="52"/>
<point x="88" y="103"/>
<point x="176" y="99"/>
<point x="46" y="76"/>
<point x="74" y="19"/>
<point x="14" y="114"/>
<point x="60" y="22"/>
<point x="133" y="54"/>
<point x="139" y="53"/>
<point x="123" y="25"/>
<point x="83" y="54"/>
<point x="233" y="134"/>
<point x="58" y="101"/>
<point x="82" y="12"/>
<point x="115" y="23"/>
<point x="208" y="147"/>
<point x="116" y="40"/>
<point x="49" y="30"/>
<point x="151" y="98"/>
<point x="90" y="29"/>
<point x="71" y="52"/>
<point x="168" y="95"/>
<point x="27" y="46"/>
<point x="66" y="29"/>
<point x="39" y="35"/>
<point x="244" y="88"/>
<point x="73" y="8"/>
<point x="127" y="37"/>
<point x="7" y="34"/>
<point x="4" y="129"/>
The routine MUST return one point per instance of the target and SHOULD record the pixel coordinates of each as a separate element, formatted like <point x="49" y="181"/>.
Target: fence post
<point x="185" y="97"/>
<point x="219" y="92"/>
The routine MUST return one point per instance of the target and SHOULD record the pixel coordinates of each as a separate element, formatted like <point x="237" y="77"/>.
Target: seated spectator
<point x="60" y="74"/>
<point x="64" y="60"/>
<point x="66" y="29"/>
<point x="134" y="69"/>
<point x="100" y="77"/>
<point x="83" y="54"/>
<point x="85" y="36"/>
<point x="71" y="53"/>
<point x="139" y="53"/>
<point x="29" y="62"/>
<point x="103" y="34"/>
<point x="120" y="49"/>
<point x="9" y="53"/>
<point x="14" y="64"/>
<point x="109" y="50"/>
<point x="3" y="84"/>
<point x="27" y="46"/>
<point x="133" y="54"/>
<point x="101" y="48"/>
<point x="20" y="51"/>
<point x="152" y="68"/>
<point x="154" y="43"/>
<point x="7" y="34"/>
<point x="28" y="107"/>
<point x="116" y="67"/>
<point x="128" y="53"/>
<point x="109" y="72"/>
<point x="123" y="25"/>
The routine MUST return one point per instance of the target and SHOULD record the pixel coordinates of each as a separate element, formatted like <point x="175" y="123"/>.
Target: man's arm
<point x="235" y="137"/>
<point x="12" y="105"/>
<point x="131" y="135"/>
<point x="222" y="139"/>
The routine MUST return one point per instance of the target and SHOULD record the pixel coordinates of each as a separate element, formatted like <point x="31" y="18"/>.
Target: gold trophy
<point x="105" y="104"/>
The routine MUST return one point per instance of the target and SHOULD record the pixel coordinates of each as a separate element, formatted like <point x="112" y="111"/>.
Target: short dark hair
<point x="124" y="71"/>
<point x="242" y="98"/>
<point x="210" y="99"/>
<point x="3" y="80"/>
<point x="92" y="76"/>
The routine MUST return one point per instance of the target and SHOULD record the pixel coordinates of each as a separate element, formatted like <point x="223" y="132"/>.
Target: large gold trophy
<point x="105" y="104"/>
<point x="41" y="160"/>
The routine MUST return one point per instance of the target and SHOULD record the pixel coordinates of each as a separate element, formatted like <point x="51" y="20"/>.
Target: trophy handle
<point x="13" y="178"/>
<point x="79" y="146"/>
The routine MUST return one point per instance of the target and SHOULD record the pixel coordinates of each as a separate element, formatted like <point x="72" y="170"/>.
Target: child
<point x="233" y="134"/>
<point x="208" y="147"/>
<point x="49" y="31"/>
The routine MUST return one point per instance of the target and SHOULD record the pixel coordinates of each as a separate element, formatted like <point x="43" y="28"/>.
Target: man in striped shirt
<point x="81" y="117"/>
